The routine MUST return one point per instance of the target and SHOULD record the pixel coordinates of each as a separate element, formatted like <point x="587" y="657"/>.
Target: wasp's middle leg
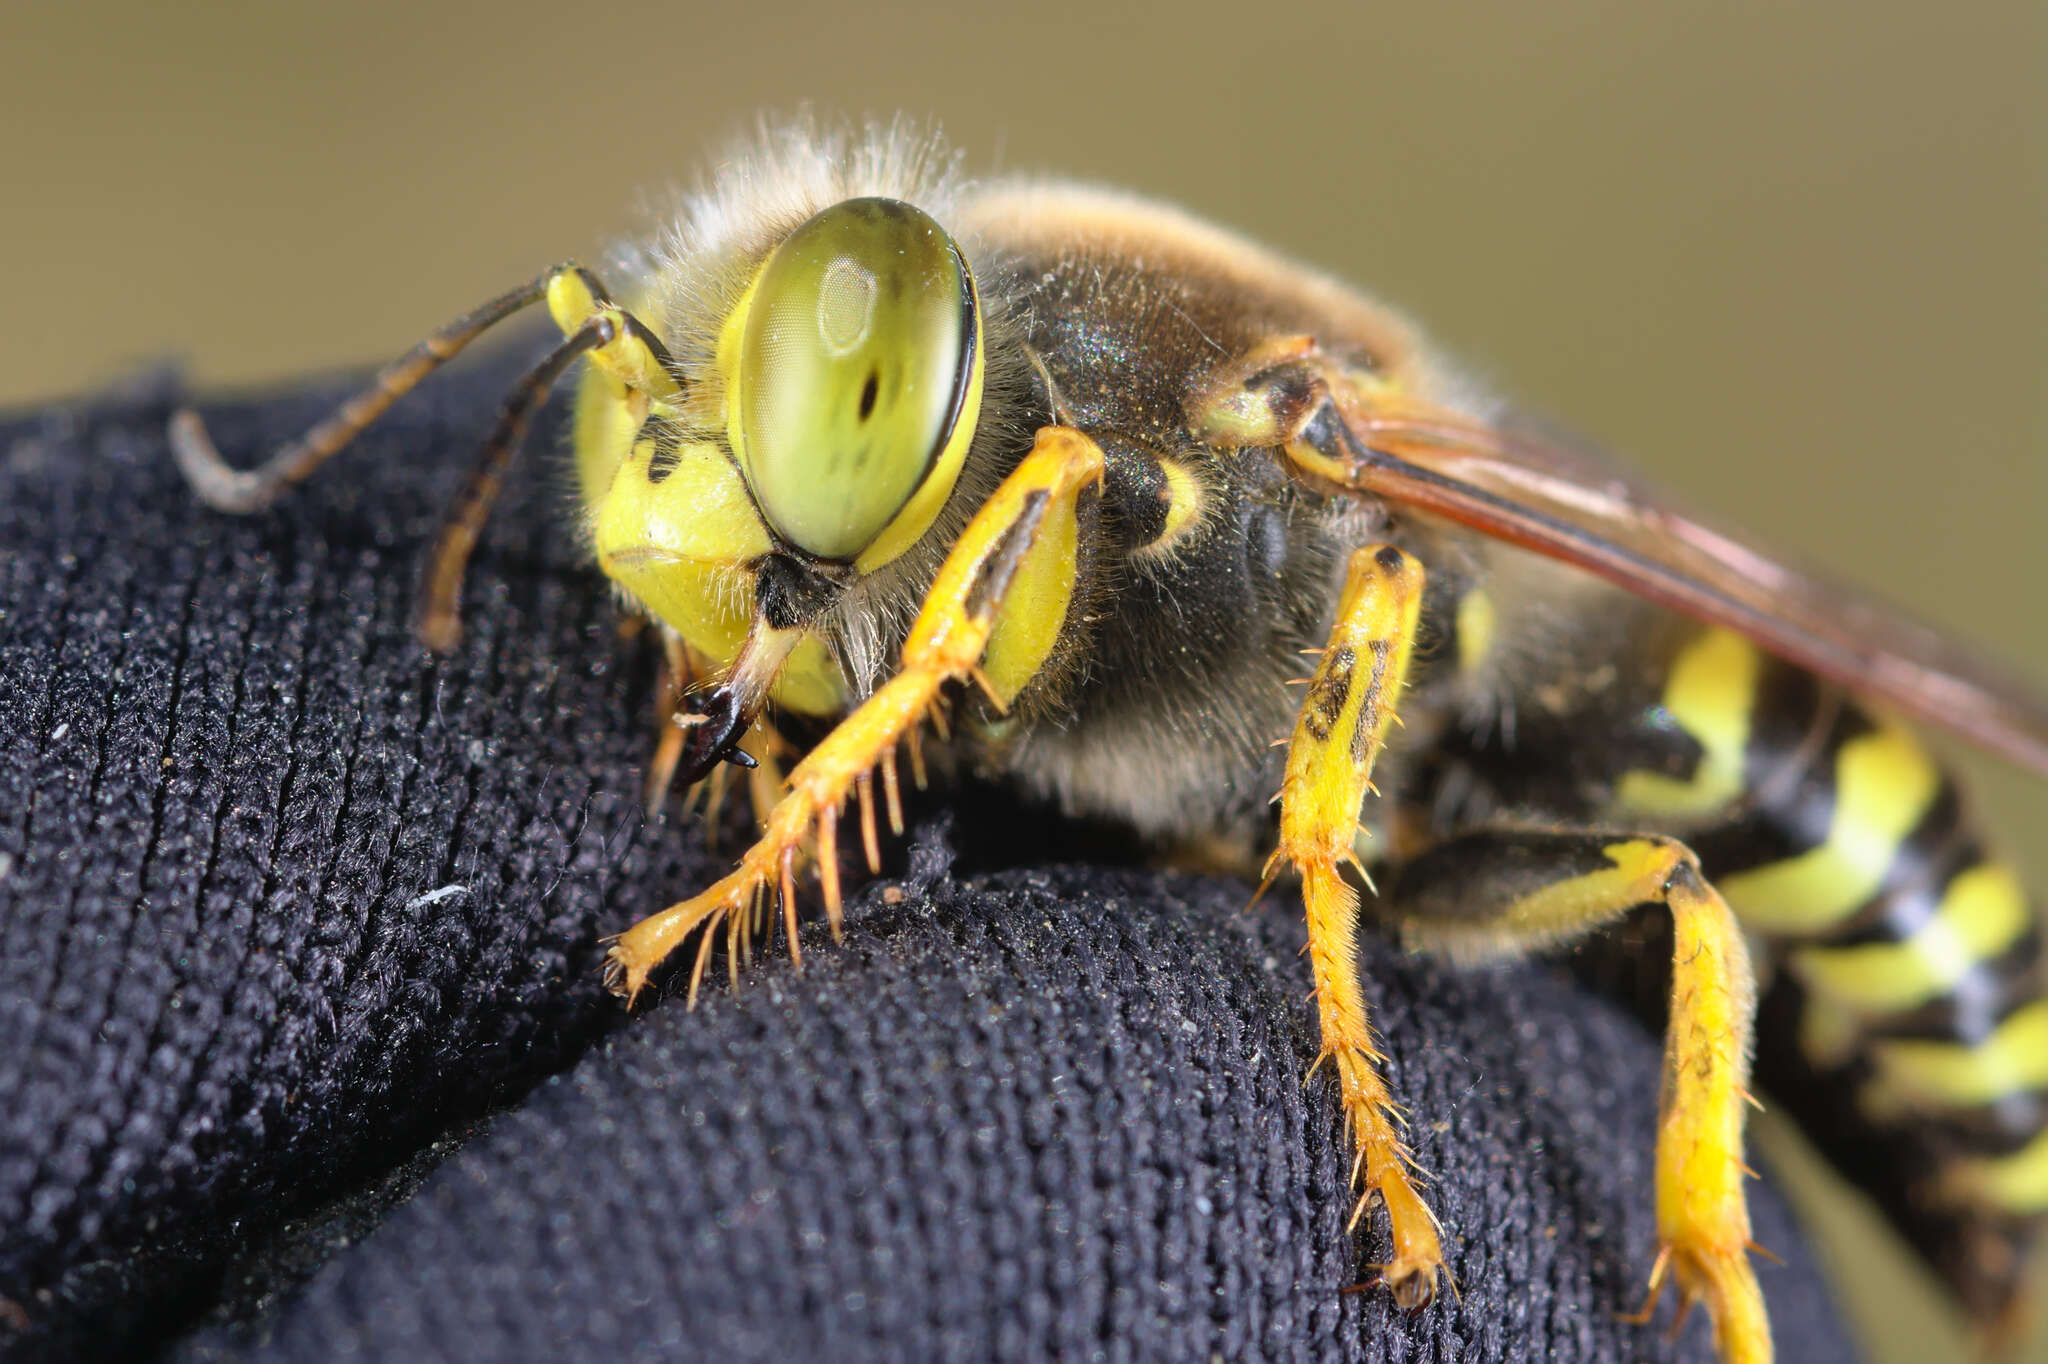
<point x="1493" y="891"/>
<point x="1343" y="723"/>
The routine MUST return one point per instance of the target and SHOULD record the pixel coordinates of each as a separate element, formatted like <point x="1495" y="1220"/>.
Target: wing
<point x="1538" y="490"/>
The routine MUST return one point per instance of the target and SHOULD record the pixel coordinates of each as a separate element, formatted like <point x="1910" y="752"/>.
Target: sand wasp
<point x="1058" y="486"/>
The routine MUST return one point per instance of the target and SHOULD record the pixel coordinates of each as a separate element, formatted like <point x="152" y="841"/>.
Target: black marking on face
<point x="789" y="593"/>
<point x="667" y="454"/>
<point x="868" y="393"/>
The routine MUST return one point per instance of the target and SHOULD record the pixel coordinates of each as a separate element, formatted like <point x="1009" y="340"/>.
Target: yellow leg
<point x="676" y="675"/>
<point x="1499" y="890"/>
<point x="1343" y="724"/>
<point x="1029" y="515"/>
<point x="1702" y="1215"/>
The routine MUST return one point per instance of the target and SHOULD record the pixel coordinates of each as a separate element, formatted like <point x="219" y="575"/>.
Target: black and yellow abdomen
<point x="1908" y="959"/>
<point x="1903" y="1017"/>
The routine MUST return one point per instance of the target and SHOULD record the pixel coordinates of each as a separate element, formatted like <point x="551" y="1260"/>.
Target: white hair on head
<point x="686" y="276"/>
<point x="764" y="186"/>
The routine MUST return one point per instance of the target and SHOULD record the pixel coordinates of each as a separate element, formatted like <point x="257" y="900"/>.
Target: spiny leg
<point x="676" y="675"/>
<point x="1019" y="533"/>
<point x="1342" y="727"/>
<point x="1496" y="891"/>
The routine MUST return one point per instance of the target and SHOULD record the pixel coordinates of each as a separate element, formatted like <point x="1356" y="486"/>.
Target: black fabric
<point x="303" y="1054"/>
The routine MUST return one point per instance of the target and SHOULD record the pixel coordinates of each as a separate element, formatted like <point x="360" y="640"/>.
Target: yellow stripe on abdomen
<point x="1477" y="625"/>
<point x="1917" y="1074"/>
<point x="1884" y="784"/>
<point x="1710" y="694"/>
<point x="2016" y="1183"/>
<point x="1983" y="912"/>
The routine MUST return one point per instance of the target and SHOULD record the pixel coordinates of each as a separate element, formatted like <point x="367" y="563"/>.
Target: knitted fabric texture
<point x="303" y="1053"/>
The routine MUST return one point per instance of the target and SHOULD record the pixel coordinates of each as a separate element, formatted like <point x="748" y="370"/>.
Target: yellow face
<point x="852" y="372"/>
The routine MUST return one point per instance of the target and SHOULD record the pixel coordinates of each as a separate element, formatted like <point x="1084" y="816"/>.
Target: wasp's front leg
<point x="1342" y="726"/>
<point x="1003" y="590"/>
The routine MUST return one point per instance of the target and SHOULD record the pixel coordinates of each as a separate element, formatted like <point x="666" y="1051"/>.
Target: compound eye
<point x="852" y="371"/>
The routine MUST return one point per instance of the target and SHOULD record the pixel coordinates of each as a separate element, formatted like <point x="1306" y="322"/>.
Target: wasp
<point x="1059" y="486"/>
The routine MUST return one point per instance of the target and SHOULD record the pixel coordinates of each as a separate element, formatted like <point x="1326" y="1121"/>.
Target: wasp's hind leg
<point x="1491" y="892"/>
<point x="1343" y="723"/>
<point x="1007" y="581"/>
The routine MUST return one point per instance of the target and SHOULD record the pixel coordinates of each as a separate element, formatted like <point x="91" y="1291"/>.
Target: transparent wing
<point x="1541" y="490"/>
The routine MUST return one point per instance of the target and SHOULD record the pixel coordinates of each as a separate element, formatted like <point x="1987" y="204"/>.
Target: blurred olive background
<point x="1791" y="258"/>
